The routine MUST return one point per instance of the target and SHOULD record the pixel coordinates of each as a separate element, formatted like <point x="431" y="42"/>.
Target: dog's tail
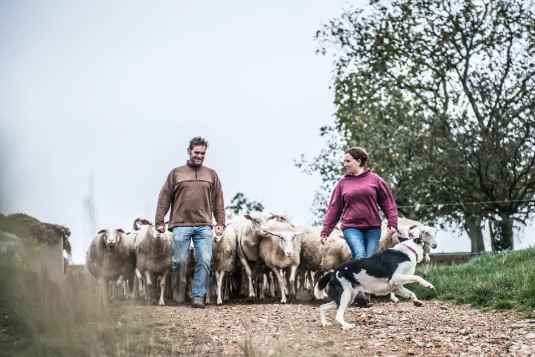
<point x="319" y="289"/>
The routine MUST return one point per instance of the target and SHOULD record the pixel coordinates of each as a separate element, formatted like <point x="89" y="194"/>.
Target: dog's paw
<point x="417" y="303"/>
<point x="325" y="324"/>
<point x="347" y="326"/>
<point x="430" y="286"/>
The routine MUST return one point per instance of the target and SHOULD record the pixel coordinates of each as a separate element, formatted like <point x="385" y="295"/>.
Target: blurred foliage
<point x="242" y="204"/>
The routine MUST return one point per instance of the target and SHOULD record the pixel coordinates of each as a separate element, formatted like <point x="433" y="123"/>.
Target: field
<point x="40" y="319"/>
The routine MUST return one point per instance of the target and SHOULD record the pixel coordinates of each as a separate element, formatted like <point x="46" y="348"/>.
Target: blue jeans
<point x="202" y="242"/>
<point x="362" y="242"/>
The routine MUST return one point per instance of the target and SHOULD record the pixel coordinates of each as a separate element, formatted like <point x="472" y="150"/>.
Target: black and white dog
<point x="379" y="274"/>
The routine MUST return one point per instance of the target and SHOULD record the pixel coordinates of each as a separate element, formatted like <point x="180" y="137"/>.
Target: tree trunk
<point x="472" y="225"/>
<point x="501" y="234"/>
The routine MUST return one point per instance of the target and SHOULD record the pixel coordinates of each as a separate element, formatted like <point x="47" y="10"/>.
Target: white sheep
<point x="281" y="250"/>
<point x="320" y="258"/>
<point x="224" y="253"/>
<point x="110" y="258"/>
<point x="153" y="252"/>
<point x="249" y="229"/>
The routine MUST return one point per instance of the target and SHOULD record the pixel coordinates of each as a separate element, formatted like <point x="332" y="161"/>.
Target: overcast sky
<point x="110" y="92"/>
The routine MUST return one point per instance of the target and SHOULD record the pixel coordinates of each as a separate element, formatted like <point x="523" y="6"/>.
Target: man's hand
<point x="219" y="230"/>
<point x="160" y="229"/>
<point x="323" y="239"/>
<point x="392" y="230"/>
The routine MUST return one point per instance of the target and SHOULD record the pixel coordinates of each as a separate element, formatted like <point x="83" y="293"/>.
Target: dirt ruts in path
<point x="386" y="329"/>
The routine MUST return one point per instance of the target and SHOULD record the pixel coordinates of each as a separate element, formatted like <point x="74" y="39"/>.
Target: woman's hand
<point x="323" y="239"/>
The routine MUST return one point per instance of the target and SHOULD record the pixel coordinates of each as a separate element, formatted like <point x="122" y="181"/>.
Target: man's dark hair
<point x="358" y="153"/>
<point x="198" y="141"/>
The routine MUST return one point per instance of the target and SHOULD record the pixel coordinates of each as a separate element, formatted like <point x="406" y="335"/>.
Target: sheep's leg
<point x="135" y="291"/>
<point x="227" y="283"/>
<point x="249" y="273"/>
<point x="301" y="278"/>
<point x="291" y="279"/>
<point x="119" y="284"/>
<point x="141" y="283"/>
<point x="163" y="282"/>
<point x="280" y="279"/>
<point x="323" y="309"/>
<point x="345" y="300"/>
<point x="219" y="275"/>
<point x="148" y="286"/>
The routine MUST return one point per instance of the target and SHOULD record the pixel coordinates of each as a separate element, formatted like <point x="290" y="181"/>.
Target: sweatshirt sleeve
<point x="334" y="211"/>
<point x="387" y="203"/>
<point x="164" y="200"/>
<point x="219" y="203"/>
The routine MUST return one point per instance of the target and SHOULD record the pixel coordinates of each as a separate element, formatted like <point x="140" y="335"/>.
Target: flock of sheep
<point x="258" y="255"/>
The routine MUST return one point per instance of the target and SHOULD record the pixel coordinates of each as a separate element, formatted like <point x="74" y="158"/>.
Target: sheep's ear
<point x="120" y="230"/>
<point x="297" y="233"/>
<point x="413" y="226"/>
<point x="273" y="216"/>
<point x="337" y="228"/>
<point x="248" y="216"/>
<point x="145" y="221"/>
<point x="418" y="241"/>
<point x="102" y="231"/>
<point x="402" y="239"/>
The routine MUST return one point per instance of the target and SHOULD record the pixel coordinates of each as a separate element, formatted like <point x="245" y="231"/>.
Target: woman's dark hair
<point x="358" y="153"/>
<point x="198" y="141"/>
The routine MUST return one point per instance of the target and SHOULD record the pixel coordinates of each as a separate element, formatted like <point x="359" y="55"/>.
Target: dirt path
<point x="386" y="329"/>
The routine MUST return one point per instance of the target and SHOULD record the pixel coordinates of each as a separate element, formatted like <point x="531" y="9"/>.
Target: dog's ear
<point x="418" y="241"/>
<point x="402" y="239"/>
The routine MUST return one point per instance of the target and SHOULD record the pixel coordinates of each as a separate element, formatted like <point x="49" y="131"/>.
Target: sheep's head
<point x="258" y="222"/>
<point x="286" y="241"/>
<point x="111" y="236"/>
<point x="426" y="233"/>
<point x="283" y="218"/>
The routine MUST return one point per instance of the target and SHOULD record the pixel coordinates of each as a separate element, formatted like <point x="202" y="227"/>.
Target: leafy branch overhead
<point x="441" y="94"/>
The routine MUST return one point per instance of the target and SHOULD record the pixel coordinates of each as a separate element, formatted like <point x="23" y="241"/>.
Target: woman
<point x="355" y="200"/>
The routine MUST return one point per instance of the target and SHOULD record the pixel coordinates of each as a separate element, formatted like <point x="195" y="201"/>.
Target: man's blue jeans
<point x="201" y="236"/>
<point x="362" y="242"/>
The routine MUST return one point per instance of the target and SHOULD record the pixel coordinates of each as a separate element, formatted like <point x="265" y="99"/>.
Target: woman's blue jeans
<point x="362" y="242"/>
<point x="201" y="236"/>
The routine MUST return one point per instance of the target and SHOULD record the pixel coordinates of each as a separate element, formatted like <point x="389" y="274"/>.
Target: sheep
<point x="110" y="257"/>
<point x="282" y="218"/>
<point x="249" y="230"/>
<point x="281" y="250"/>
<point x="224" y="255"/>
<point x="428" y="235"/>
<point x="320" y="258"/>
<point x="388" y="240"/>
<point x="153" y="251"/>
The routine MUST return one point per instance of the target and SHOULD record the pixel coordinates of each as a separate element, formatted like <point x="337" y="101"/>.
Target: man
<point x="194" y="193"/>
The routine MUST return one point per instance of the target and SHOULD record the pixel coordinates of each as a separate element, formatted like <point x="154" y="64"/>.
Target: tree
<point x="441" y="92"/>
<point x="240" y="204"/>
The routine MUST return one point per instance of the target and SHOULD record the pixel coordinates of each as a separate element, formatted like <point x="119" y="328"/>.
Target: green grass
<point x="499" y="281"/>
